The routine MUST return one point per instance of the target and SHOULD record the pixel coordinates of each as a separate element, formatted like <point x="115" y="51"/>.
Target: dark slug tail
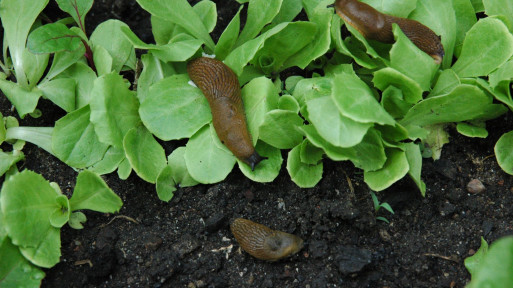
<point x="254" y="159"/>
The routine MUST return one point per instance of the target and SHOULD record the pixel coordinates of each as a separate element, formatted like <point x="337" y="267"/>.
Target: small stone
<point x="215" y="222"/>
<point x="352" y="259"/>
<point x="475" y="186"/>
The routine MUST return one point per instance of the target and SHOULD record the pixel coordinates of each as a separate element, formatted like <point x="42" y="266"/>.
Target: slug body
<point x="264" y="243"/>
<point x="221" y="88"/>
<point x="375" y="25"/>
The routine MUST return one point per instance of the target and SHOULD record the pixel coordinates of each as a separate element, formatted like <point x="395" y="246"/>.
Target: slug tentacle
<point x="375" y="25"/>
<point x="221" y="88"/>
<point x="264" y="243"/>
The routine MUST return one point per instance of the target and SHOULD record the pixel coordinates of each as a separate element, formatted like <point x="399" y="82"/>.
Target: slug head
<point x="282" y="244"/>
<point x="253" y="160"/>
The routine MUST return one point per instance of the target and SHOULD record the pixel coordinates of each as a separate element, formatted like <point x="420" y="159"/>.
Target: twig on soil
<point x="349" y="183"/>
<point x="82" y="262"/>
<point x="452" y="258"/>
<point x="122" y="217"/>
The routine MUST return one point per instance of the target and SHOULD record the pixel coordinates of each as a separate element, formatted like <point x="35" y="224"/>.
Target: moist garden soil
<point x="187" y="242"/>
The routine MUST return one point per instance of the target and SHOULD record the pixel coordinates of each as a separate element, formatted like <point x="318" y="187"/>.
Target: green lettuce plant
<point x="379" y="106"/>
<point x="491" y="266"/>
<point x="32" y="212"/>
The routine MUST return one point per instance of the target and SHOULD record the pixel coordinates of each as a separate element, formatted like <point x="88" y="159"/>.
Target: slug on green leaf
<point x="264" y="243"/>
<point x="221" y="88"/>
<point x="375" y="25"/>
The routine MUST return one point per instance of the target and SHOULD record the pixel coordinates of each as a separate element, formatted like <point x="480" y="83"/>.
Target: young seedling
<point x="378" y="206"/>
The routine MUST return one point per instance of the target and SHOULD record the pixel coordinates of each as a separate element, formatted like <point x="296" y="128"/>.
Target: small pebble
<point x="475" y="186"/>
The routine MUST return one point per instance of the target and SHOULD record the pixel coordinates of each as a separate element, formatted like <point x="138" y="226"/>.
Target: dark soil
<point x="187" y="242"/>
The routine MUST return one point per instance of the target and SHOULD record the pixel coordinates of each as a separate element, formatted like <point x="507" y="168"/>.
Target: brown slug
<point x="221" y="87"/>
<point x="375" y="25"/>
<point x="264" y="243"/>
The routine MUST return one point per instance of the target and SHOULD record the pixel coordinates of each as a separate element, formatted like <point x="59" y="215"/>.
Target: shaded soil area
<point x="187" y="242"/>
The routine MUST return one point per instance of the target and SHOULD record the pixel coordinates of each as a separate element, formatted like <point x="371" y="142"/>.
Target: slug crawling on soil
<point x="264" y="243"/>
<point x="377" y="26"/>
<point x="221" y="88"/>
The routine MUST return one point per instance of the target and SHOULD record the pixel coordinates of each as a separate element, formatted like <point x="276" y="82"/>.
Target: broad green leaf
<point x="414" y="158"/>
<point x="35" y="66"/>
<point x="309" y="89"/>
<point x="399" y="8"/>
<point x="503" y="73"/>
<point x="259" y="13"/>
<point x="102" y="60"/>
<point x="318" y="14"/>
<point x="447" y="80"/>
<point x="288" y="11"/>
<point x="74" y="141"/>
<point x="259" y="97"/>
<point x="465" y="102"/>
<point x="504" y="152"/>
<point x="473" y="262"/>
<point x="84" y="77"/>
<point x="165" y="184"/>
<point x="8" y="159"/>
<point x="172" y="52"/>
<point x="114" y="109"/>
<point x="27" y="201"/>
<point x="240" y="56"/>
<point x="280" y="129"/>
<point x="2" y="129"/>
<point x="304" y="175"/>
<point x="61" y="92"/>
<point x="275" y="54"/>
<point x="76" y="8"/>
<point x="478" y="5"/>
<point x="494" y="269"/>
<point x="487" y="46"/>
<point x="206" y="162"/>
<point x="392" y="100"/>
<point x="268" y="169"/>
<point x="110" y="161"/>
<point x="76" y="219"/>
<point x="92" y="193"/>
<point x="436" y="138"/>
<point x="164" y="30"/>
<point x="465" y="19"/>
<point x="174" y="109"/>
<point x="181" y="176"/>
<point x="52" y="38"/>
<point x="408" y="59"/>
<point x="24" y="100"/>
<point x="387" y="77"/>
<point x="61" y="213"/>
<point x="124" y="169"/>
<point x="108" y="35"/>
<point x="17" y="19"/>
<point x="228" y="38"/>
<point x="471" y="130"/>
<point x="310" y="154"/>
<point x="354" y="99"/>
<point x="40" y="136"/>
<point x="502" y="8"/>
<point x="153" y="71"/>
<point x="337" y="129"/>
<point x="288" y="102"/>
<point x="146" y="155"/>
<point x="207" y="11"/>
<point x="15" y="270"/>
<point x="368" y="155"/>
<point x="47" y="253"/>
<point x="439" y="16"/>
<point x="181" y="13"/>
<point x="395" y="168"/>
